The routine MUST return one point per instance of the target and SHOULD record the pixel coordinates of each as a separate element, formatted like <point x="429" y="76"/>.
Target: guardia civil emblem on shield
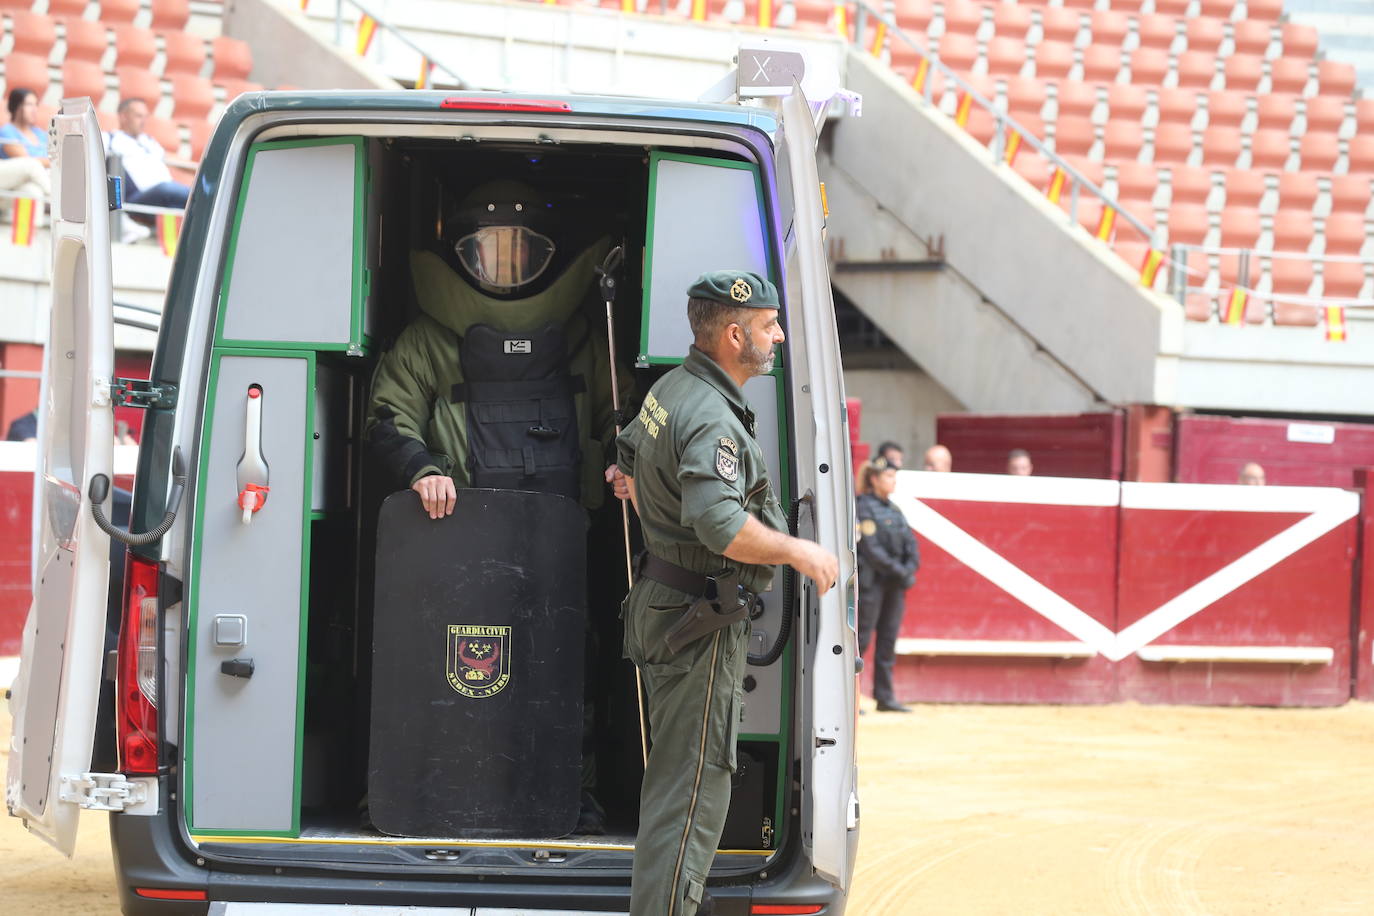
<point x="478" y="659"/>
<point x="727" y="465"/>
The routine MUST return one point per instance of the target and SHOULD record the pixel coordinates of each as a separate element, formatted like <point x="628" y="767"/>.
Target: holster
<point x="719" y="599"/>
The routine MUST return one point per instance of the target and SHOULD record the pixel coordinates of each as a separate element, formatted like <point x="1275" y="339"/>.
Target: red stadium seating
<point x="1173" y="143"/>
<point x="1006" y="56"/>
<point x="1299" y="40"/>
<point x="113" y="11"/>
<point x="1053" y="59"/>
<point x="1101" y="63"/>
<point x="1350" y="193"/>
<point x="1011" y="20"/>
<point x="1122" y="140"/>
<point x="26" y="71"/>
<point x="185" y="54"/>
<point x="34" y="33"/>
<point x="1335" y="77"/>
<point x="1361" y="153"/>
<point x="233" y="58"/>
<point x="1252" y="36"/>
<point x="1345" y="233"/>
<point x="1270" y="149"/>
<point x="192" y="97"/>
<point x="1288" y="74"/>
<point x="1244" y="187"/>
<point x="1276" y="111"/>
<point x="138" y="83"/>
<point x="1240" y="227"/>
<point x="86" y="40"/>
<point x="1297" y="191"/>
<point x="1156" y="30"/>
<point x="1136" y="183"/>
<point x="170" y="14"/>
<point x="1293" y="230"/>
<point x="1204" y="33"/>
<point x="1226" y="108"/>
<point x="1342" y="279"/>
<point x="1109" y="27"/>
<point x="1177" y="106"/>
<point x="1076" y="99"/>
<point x="1318" y="151"/>
<point x="73" y="8"/>
<point x="1060" y="24"/>
<point x="134" y="47"/>
<point x="81" y="78"/>
<point x="1189" y="184"/>
<point x="1221" y="146"/>
<point x="1197" y="69"/>
<point x="1188" y="224"/>
<point x="1243" y="71"/>
<point x="1325" y="113"/>
<point x="1126" y="101"/>
<point x="1073" y="136"/>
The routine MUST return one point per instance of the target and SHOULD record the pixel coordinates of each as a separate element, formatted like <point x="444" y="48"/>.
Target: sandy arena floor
<point x="1031" y="810"/>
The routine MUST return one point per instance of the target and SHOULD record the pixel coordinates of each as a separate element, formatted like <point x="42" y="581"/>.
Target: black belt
<point x="720" y="599"/>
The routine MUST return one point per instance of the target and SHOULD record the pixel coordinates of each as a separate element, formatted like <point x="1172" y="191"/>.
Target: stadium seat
<point x="1218" y="9"/>
<point x="1033" y="167"/>
<point x="1025" y="95"/>
<point x="1101" y="63"/>
<point x="963" y="17"/>
<point x="914" y="16"/>
<point x="1197" y="69"/>
<point x="33" y="33"/>
<point x="1172" y="7"/>
<point x="1270" y="149"/>
<point x="138" y="83"/>
<point x="233" y="59"/>
<point x="1006" y="56"/>
<point x="1325" y="113"/>
<point x="1136" y="183"/>
<point x="83" y="78"/>
<point x="1297" y="191"/>
<point x="1149" y="66"/>
<point x="1053" y="59"/>
<point x="1011" y="20"/>
<point x="1245" y="187"/>
<point x="235" y="88"/>
<point x="958" y="51"/>
<point x="1345" y="233"/>
<point x="165" y="133"/>
<point x="1243" y="72"/>
<point x="1060" y="24"/>
<point x="1350" y="193"/>
<point x="1288" y="74"/>
<point x="1204" y="33"/>
<point x="113" y="11"/>
<point x="1342" y="279"/>
<point x="201" y="130"/>
<point x="1361" y="153"/>
<point x="1126" y="102"/>
<point x="192" y="97"/>
<point x="1155" y="30"/>
<point x="1229" y="272"/>
<point x="1109" y="27"/>
<point x="86" y="40"/>
<point x="1131" y="250"/>
<point x="1335" y="77"/>
<point x="1177" y="106"/>
<point x="1122" y="139"/>
<point x="1221" y="146"/>
<point x="1265" y="10"/>
<point x="134" y="47"/>
<point x="1364" y="116"/>
<point x="185" y="54"/>
<point x="1292" y="277"/>
<point x="74" y="8"/>
<point x="1173" y="143"/>
<point x="1276" y="111"/>
<point x="1318" y="151"/>
<point x="26" y="71"/>
<point x="1252" y="36"/>
<point x="1189" y="184"/>
<point x="1073" y="136"/>
<point x="170" y="14"/>
<point x="1188" y="224"/>
<point x="1293" y="230"/>
<point x="1240" y="227"/>
<point x="1299" y="40"/>
<point x="981" y="124"/>
<point x="1075" y="99"/>
<point x="1226" y="108"/>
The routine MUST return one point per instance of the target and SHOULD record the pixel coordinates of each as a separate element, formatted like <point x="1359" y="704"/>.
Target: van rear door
<point x="54" y="697"/>
<point x="830" y="802"/>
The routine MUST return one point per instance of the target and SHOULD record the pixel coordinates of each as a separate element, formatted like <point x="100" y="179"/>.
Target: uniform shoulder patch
<point x="729" y="445"/>
<point x="868" y="527"/>
<point x="727" y="463"/>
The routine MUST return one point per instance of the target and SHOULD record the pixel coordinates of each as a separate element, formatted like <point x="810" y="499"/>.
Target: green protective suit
<point x="413" y="424"/>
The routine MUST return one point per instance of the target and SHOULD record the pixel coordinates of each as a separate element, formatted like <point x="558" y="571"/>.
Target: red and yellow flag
<point x="426" y="71"/>
<point x="879" y="39"/>
<point x="1013" y="147"/>
<point x="965" y="106"/>
<point x="918" y="82"/>
<point x="1149" y="268"/>
<point x="765" y="14"/>
<point x="367" y="28"/>
<point x="1335" y="323"/>
<point x="1234" y="313"/>
<point x="698" y="10"/>
<point x="24" y="210"/>
<point x="1106" y="225"/>
<point x="626" y="6"/>
<point x="1056" y="188"/>
<point x="304" y="4"/>
<point x="168" y="232"/>
<point x="842" y="21"/>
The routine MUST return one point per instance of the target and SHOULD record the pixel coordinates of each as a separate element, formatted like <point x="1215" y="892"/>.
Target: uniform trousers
<point x="880" y="610"/>
<point x="694" y="703"/>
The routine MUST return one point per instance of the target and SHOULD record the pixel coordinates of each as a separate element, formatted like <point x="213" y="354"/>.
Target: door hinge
<point x="139" y="392"/>
<point x="103" y="791"/>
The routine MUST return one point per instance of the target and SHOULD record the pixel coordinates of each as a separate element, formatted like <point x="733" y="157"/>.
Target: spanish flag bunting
<point x="765" y="13"/>
<point x="879" y="39"/>
<point x="22" y="232"/>
<point x="1335" y="323"/>
<point x="1149" y="269"/>
<point x="367" y="27"/>
<point x="918" y="82"/>
<point x="842" y="21"/>
<point x="1056" y="188"/>
<point x="1106" y="225"/>
<point x="698" y="10"/>
<point x="1013" y="147"/>
<point x="426" y="70"/>
<point x="965" y="106"/>
<point x="168" y="231"/>
<point x="1234" y="313"/>
<point x="304" y="4"/>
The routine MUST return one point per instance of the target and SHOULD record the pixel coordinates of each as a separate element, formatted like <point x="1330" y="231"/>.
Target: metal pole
<point x="608" y="293"/>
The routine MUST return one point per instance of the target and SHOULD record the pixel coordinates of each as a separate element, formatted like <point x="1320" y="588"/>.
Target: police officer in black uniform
<point x="888" y="560"/>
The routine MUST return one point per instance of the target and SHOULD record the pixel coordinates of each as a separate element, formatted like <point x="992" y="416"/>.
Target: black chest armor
<point x="521" y="414"/>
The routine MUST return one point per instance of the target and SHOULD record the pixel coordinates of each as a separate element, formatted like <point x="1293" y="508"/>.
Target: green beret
<point x="742" y="288"/>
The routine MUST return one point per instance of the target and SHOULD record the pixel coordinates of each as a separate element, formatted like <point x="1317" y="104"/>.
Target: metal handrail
<point x="400" y="36"/>
<point x="1001" y="119"/>
<point x="1180" y="273"/>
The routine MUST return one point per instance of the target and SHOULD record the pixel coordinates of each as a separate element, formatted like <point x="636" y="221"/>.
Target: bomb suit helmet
<point x="501" y="237"/>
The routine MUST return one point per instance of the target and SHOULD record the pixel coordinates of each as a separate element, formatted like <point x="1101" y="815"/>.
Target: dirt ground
<point x="1032" y="810"/>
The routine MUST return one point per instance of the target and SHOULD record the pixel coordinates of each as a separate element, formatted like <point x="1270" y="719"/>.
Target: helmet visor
<point x="504" y="257"/>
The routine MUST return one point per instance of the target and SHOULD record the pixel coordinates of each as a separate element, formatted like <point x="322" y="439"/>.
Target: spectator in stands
<point x="1252" y="474"/>
<point x="23" y="429"/>
<point x="892" y="453"/>
<point x="888" y="560"/>
<point x="24" y="148"/>
<point x="144" y="160"/>
<point x="938" y="458"/>
<point x="1019" y="463"/>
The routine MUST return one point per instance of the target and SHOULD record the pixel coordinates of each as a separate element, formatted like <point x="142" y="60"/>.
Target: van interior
<point x="403" y="187"/>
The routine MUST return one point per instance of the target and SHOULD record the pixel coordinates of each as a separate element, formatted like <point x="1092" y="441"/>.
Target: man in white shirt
<point x="145" y="161"/>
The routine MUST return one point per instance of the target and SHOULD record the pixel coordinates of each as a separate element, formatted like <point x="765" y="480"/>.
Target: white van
<point x="238" y="783"/>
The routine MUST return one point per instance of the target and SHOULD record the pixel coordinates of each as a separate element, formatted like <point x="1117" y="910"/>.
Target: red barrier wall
<point x="1363" y="639"/>
<point x="16" y="515"/>
<point x="1293" y="452"/>
<point x="1175" y="593"/>
<point x="1061" y="445"/>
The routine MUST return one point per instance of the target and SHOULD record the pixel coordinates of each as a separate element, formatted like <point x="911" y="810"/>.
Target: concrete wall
<point x="287" y="52"/>
<point x="899" y="404"/>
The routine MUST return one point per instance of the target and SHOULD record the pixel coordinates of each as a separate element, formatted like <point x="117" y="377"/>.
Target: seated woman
<point x="24" y="148"/>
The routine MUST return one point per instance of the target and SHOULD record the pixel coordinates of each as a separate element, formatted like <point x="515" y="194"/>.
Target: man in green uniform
<point x="714" y="530"/>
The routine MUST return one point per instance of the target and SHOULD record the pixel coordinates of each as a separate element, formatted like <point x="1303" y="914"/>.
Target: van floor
<point x="334" y="829"/>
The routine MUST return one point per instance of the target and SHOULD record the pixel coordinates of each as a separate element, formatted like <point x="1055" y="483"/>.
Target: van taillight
<point x="136" y="680"/>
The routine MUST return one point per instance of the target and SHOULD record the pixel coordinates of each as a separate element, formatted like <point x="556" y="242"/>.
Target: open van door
<point x="55" y="695"/>
<point x="830" y="806"/>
